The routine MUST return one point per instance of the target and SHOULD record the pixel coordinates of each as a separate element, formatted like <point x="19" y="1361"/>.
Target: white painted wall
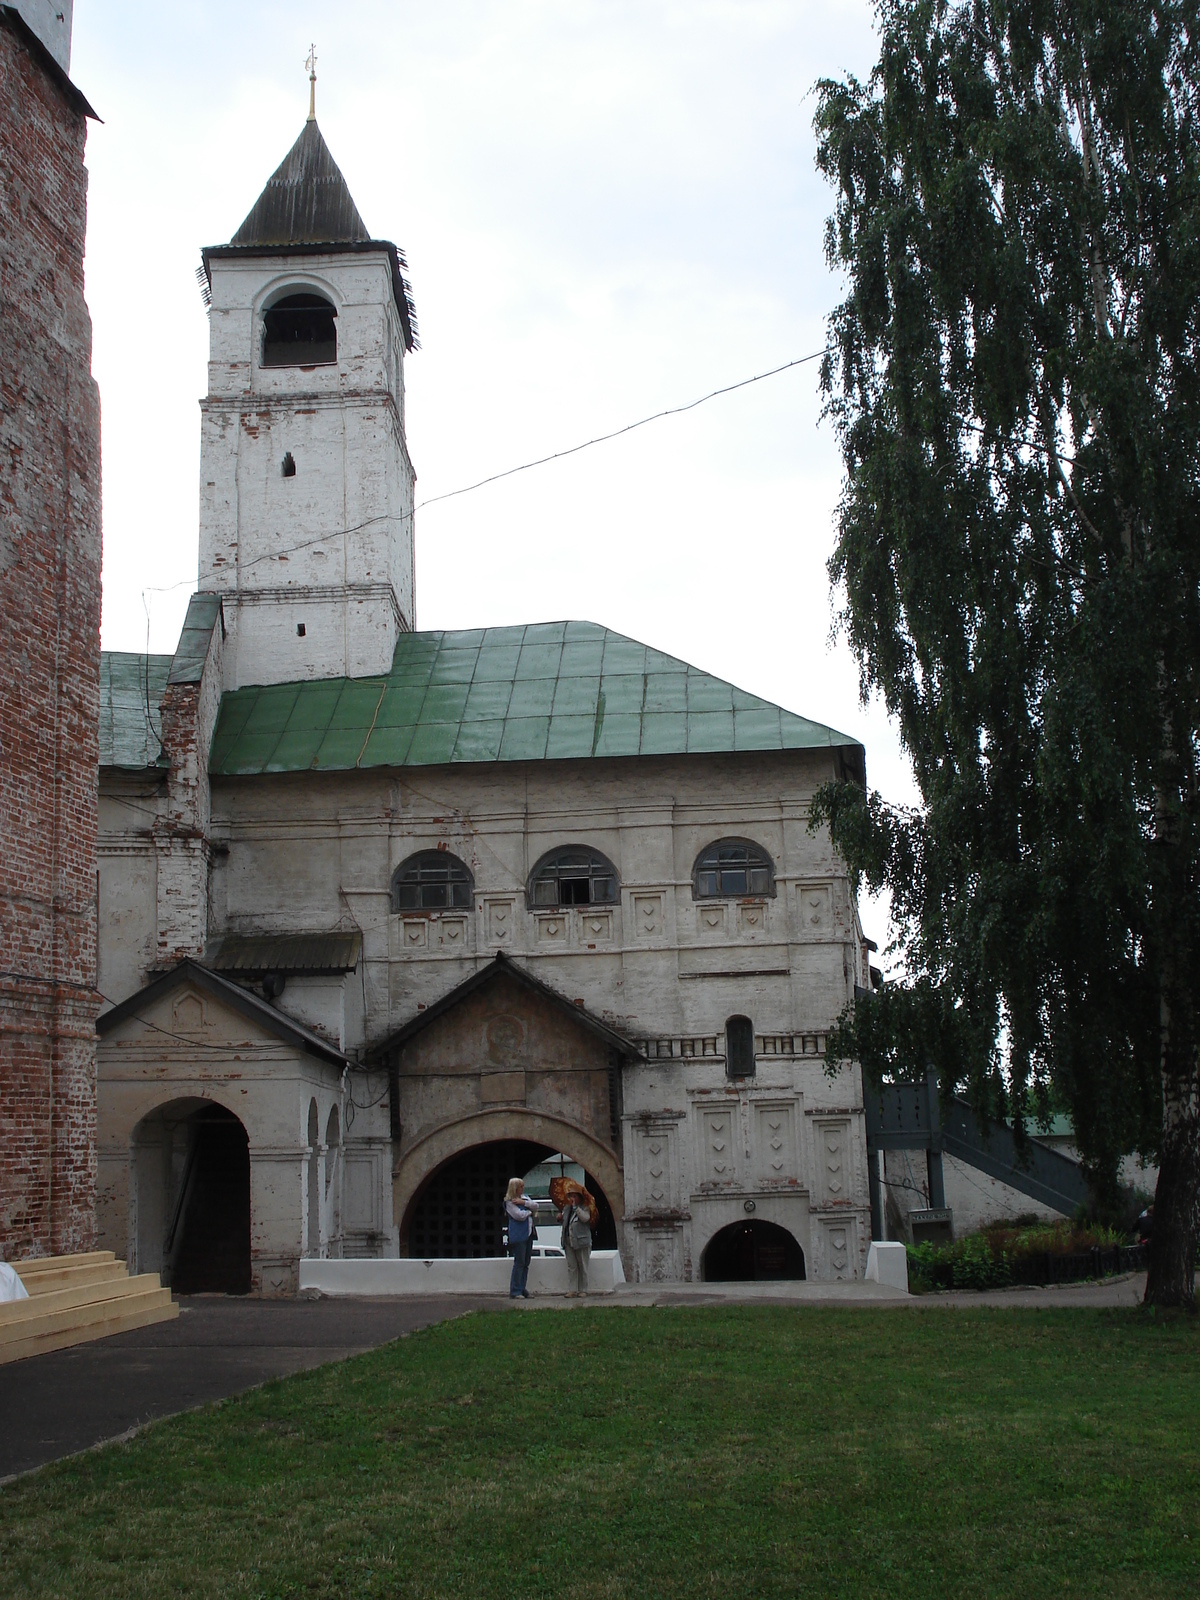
<point x="330" y="549"/>
<point x="311" y="852"/>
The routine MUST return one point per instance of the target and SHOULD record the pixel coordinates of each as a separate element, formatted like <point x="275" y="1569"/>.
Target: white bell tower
<point x="306" y="487"/>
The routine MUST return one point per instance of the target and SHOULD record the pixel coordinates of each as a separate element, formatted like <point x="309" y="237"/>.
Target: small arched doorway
<point x="459" y="1210"/>
<point x="191" y="1174"/>
<point x="752" y="1251"/>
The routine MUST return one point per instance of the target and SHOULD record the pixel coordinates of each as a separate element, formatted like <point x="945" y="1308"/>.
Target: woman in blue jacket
<point x="519" y="1211"/>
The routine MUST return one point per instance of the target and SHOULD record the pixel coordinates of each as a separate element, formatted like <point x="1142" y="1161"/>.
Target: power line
<point x="526" y="466"/>
<point x="603" y="438"/>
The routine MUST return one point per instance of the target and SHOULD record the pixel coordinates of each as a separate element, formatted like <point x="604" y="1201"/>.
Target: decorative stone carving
<point x="452" y="933"/>
<point x="834" y="1175"/>
<point x="752" y="916"/>
<point x="648" y="919"/>
<point x="499" y="921"/>
<point x="710" y="917"/>
<point x="653" y="1154"/>
<point x="595" y="927"/>
<point x="812" y="900"/>
<point x="188" y="1014"/>
<point x="552" y="928"/>
<point x="839" y="1240"/>
<point x="660" y="1255"/>
<point x="414" y="934"/>
<point x="773" y="1135"/>
<point x="716" y="1136"/>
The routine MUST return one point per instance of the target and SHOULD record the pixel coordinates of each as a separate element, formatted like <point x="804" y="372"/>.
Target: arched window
<point x="732" y="867"/>
<point x="432" y="880"/>
<point x="573" y="876"/>
<point x="739" y="1048"/>
<point x="299" y="331"/>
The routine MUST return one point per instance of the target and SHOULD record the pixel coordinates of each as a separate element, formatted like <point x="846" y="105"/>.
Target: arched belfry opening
<point x="459" y="1210"/>
<point x="751" y="1252"/>
<point x="191" y="1176"/>
<point x="299" y="330"/>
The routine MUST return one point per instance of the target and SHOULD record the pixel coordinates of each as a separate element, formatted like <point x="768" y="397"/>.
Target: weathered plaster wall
<point x="974" y="1197"/>
<point x="786" y="1146"/>
<point x="181" y="829"/>
<point x="312" y="852"/>
<point x="305" y="851"/>
<point x="49" y="622"/>
<point x="506" y="1063"/>
<point x="330" y="548"/>
<point x="319" y="851"/>
<point x="188" y="1047"/>
<point x="130" y="804"/>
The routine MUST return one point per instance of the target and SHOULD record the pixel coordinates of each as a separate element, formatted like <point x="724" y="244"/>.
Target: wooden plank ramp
<point x="73" y="1299"/>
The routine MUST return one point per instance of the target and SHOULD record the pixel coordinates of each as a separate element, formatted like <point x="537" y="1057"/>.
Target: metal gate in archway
<point x="460" y="1211"/>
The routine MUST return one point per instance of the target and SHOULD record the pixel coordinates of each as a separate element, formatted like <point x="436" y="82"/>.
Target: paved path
<point x="1123" y="1291"/>
<point x="57" y="1404"/>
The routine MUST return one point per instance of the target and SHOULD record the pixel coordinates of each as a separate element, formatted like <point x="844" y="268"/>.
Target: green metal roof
<point x="548" y="691"/>
<point x="187" y="664"/>
<point x="131" y="687"/>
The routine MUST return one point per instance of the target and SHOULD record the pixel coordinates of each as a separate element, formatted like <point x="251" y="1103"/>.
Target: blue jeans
<point x="522" y="1250"/>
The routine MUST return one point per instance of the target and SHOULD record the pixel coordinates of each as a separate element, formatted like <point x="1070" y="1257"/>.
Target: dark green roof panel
<point x="131" y="687"/>
<point x="551" y="691"/>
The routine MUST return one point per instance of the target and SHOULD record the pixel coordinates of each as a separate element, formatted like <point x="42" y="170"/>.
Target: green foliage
<point x="990" y="1259"/>
<point x="687" y="1453"/>
<point x="1014" y="380"/>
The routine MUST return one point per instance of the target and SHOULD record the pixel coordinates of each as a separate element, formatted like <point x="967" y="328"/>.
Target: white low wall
<point x="486" y="1275"/>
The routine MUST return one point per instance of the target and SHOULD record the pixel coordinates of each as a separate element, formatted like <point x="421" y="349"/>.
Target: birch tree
<point x="1014" y="379"/>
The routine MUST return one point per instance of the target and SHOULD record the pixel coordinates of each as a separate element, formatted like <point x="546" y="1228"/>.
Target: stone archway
<point x="491" y="1148"/>
<point x="752" y="1251"/>
<point x="190" y="1182"/>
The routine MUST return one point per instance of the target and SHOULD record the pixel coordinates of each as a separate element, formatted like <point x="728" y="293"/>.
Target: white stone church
<point x="388" y="917"/>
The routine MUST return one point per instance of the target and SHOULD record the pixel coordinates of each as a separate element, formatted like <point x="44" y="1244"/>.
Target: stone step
<point x="74" y="1297"/>
<point x="80" y="1324"/>
<point x="70" y="1277"/>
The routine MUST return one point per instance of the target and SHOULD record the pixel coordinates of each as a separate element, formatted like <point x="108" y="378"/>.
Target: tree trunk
<point x="1172" y="1277"/>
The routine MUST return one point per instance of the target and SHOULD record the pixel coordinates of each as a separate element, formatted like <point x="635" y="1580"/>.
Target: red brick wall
<point x="49" y="671"/>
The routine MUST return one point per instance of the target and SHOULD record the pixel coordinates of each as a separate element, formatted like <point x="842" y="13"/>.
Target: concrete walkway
<point x="69" y="1400"/>
<point x="55" y="1405"/>
<point x="1123" y="1291"/>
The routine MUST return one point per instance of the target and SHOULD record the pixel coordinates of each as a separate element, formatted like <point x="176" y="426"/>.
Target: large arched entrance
<point x="191" y="1180"/>
<point x="459" y="1210"/>
<point x="750" y="1251"/>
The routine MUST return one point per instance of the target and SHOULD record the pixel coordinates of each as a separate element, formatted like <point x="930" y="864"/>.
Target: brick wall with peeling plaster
<point x="50" y="623"/>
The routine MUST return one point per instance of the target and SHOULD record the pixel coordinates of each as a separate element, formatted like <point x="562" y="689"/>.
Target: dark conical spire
<point x="306" y="201"/>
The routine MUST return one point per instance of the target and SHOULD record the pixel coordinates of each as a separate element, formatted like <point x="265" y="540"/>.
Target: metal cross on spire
<point x="311" y="67"/>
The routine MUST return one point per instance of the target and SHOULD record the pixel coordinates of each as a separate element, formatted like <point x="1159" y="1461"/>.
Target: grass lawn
<point x="741" y="1451"/>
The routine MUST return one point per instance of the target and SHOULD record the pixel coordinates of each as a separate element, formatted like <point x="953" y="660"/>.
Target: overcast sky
<point x="609" y="207"/>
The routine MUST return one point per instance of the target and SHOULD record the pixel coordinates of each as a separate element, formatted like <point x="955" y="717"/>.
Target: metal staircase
<point x="910" y="1116"/>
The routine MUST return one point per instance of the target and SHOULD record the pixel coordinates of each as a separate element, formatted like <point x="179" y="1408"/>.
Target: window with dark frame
<point x="432" y="880"/>
<point x="573" y="876"/>
<point x="739" y="1048"/>
<point x="731" y="868"/>
<point x="299" y="331"/>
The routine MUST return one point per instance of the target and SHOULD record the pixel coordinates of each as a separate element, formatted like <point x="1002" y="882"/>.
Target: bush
<point x="1024" y="1251"/>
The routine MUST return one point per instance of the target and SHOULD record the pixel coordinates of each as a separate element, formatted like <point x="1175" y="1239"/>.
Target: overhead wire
<point x="603" y="438"/>
<point x="508" y="472"/>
